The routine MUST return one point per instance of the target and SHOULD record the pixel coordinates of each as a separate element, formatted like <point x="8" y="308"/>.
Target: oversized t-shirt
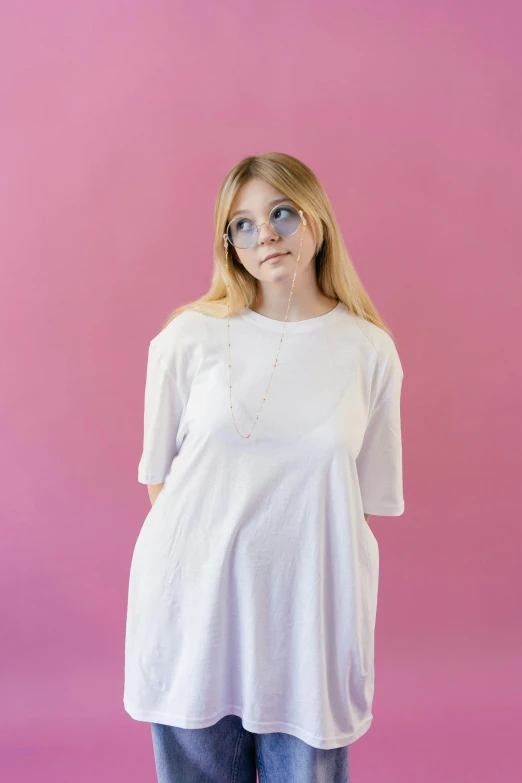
<point x="253" y="581"/>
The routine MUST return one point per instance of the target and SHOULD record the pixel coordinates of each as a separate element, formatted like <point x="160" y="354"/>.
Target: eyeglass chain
<point x="225" y="236"/>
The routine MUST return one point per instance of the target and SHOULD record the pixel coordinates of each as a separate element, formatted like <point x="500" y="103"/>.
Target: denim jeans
<point x="227" y="753"/>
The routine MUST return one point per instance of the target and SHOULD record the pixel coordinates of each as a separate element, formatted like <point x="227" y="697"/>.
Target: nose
<point x="266" y="233"/>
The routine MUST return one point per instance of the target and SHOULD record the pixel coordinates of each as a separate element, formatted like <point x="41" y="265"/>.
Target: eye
<point x="244" y="225"/>
<point x="282" y="212"/>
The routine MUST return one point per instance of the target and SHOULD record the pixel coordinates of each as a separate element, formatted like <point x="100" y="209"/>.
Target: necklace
<point x="280" y="341"/>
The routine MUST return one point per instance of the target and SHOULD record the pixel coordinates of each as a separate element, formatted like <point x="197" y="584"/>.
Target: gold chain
<point x="280" y="341"/>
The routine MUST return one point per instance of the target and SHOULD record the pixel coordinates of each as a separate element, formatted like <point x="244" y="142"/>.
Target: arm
<point x="154" y="490"/>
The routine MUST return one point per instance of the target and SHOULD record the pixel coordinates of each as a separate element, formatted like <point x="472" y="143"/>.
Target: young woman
<point x="271" y="433"/>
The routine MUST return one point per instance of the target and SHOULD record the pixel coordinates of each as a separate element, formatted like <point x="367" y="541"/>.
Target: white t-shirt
<point x="253" y="582"/>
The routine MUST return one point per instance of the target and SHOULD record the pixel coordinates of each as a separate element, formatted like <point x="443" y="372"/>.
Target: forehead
<point x="256" y="197"/>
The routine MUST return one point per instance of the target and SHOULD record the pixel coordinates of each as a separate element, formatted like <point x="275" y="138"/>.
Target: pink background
<point x="119" y="120"/>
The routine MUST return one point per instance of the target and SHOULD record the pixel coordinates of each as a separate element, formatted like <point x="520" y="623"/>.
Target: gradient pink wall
<point x="119" y="120"/>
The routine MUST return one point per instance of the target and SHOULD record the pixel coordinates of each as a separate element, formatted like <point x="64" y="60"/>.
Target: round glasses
<point x="284" y="220"/>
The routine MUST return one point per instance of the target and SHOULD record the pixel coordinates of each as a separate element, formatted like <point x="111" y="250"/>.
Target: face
<point x="254" y="201"/>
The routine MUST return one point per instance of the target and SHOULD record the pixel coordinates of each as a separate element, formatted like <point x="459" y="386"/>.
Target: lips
<point x="273" y="255"/>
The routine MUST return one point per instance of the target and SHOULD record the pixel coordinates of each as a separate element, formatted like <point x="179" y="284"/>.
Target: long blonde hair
<point x="335" y="272"/>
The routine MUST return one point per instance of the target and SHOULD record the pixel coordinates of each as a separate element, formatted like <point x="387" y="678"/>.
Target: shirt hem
<point x="256" y="727"/>
<point x="148" y="479"/>
<point x="384" y="511"/>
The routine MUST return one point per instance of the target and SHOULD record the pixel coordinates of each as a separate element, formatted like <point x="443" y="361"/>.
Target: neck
<point x="301" y="306"/>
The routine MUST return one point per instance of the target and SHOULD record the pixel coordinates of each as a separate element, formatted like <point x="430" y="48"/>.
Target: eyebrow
<point x="271" y="204"/>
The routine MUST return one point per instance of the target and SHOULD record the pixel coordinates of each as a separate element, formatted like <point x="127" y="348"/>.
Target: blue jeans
<point x="227" y="753"/>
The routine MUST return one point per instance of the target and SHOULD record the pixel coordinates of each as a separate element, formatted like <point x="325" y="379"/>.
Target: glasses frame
<point x="228" y="239"/>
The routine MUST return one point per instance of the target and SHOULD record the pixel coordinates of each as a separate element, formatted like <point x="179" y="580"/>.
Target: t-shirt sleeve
<point x="379" y="462"/>
<point x="162" y="412"/>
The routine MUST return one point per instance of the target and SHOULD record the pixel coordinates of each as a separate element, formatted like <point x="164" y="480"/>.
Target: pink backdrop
<point x="119" y="119"/>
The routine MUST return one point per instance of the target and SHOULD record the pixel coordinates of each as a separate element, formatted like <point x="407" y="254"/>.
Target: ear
<point x="311" y="228"/>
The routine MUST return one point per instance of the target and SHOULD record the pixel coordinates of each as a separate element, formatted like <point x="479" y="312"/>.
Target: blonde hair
<point x="336" y="275"/>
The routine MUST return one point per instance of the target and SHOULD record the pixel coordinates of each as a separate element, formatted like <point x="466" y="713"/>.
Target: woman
<point x="271" y="433"/>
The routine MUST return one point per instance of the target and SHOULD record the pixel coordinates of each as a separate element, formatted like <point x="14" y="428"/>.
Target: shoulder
<point x="186" y="330"/>
<point x="378" y="345"/>
<point x="180" y="345"/>
<point x="376" y="338"/>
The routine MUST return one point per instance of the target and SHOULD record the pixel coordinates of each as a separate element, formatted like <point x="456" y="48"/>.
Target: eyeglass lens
<point x="284" y="220"/>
